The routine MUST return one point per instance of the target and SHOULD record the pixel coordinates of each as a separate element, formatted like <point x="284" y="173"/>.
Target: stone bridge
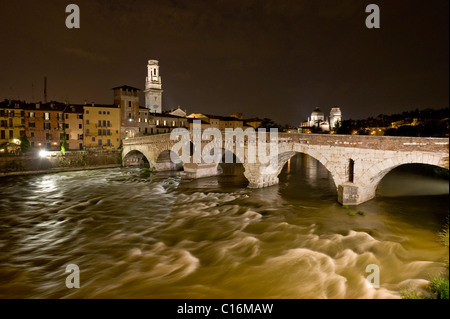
<point x="356" y="163"/>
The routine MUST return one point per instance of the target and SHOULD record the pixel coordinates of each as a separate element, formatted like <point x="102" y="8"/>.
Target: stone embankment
<point x="56" y="162"/>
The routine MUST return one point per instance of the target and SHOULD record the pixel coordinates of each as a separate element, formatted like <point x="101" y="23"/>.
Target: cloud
<point x="95" y="57"/>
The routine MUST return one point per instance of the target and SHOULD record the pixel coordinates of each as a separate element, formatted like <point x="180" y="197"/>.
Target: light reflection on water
<point x="136" y="235"/>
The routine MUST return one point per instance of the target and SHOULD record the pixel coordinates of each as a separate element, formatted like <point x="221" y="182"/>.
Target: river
<point x="144" y="235"/>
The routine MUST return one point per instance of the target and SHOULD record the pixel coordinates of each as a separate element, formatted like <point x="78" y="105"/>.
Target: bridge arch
<point x="135" y="158"/>
<point x="321" y="158"/>
<point x="373" y="176"/>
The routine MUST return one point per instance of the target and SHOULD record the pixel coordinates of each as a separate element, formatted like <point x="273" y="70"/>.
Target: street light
<point x="43" y="153"/>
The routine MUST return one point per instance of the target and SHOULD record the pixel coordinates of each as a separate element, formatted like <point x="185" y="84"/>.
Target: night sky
<point x="278" y="59"/>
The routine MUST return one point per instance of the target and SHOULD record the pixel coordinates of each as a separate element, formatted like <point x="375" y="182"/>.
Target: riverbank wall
<point x="57" y="162"/>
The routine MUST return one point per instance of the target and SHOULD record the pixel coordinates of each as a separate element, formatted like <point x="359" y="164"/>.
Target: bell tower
<point x="153" y="91"/>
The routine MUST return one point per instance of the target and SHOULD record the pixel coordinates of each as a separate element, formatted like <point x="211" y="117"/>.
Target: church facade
<point x="318" y="121"/>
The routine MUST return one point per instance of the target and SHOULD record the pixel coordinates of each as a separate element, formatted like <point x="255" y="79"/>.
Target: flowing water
<point x="140" y="235"/>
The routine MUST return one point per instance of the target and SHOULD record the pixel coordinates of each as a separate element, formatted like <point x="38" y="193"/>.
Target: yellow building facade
<point x="12" y="123"/>
<point x="102" y="126"/>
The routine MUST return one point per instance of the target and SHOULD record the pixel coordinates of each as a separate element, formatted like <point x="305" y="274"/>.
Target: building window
<point x="108" y="123"/>
<point x="99" y="133"/>
<point x="104" y="112"/>
<point x="67" y="116"/>
<point x="93" y="139"/>
<point x="87" y="131"/>
<point x="107" y="113"/>
<point x="108" y="142"/>
<point x="157" y="122"/>
<point x="87" y="122"/>
<point x="80" y="116"/>
<point x="11" y="134"/>
<point x="31" y="124"/>
<point x="31" y="114"/>
<point x="32" y="134"/>
<point x="80" y="126"/>
<point x="2" y="135"/>
<point x="46" y="126"/>
<point x="99" y="142"/>
<point x="80" y="137"/>
<point x="100" y="112"/>
<point x="165" y="123"/>
<point x="87" y="111"/>
<point x="129" y="115"/>
<point x="129" y="103"/>
<point x="48" y="136"/>
<point x="47" y="116"/>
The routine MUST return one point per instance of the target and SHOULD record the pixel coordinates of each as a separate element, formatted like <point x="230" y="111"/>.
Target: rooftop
<point x="126" y="87"/>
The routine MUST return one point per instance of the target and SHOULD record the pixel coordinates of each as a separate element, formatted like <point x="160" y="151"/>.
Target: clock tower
<point x="153" y="91"/>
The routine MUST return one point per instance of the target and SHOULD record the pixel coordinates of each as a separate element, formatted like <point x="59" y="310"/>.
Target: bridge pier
<point x="260" y="176"/>
<point x="352" y="194"/>
<point x="193" y="170"/>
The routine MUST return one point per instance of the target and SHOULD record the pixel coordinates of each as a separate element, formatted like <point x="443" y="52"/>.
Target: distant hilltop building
<point x="318" y="121"/>
<point x="153" y="88"/>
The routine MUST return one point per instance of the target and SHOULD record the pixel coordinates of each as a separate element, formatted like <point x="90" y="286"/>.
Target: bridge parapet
<point x="387" y="143"/>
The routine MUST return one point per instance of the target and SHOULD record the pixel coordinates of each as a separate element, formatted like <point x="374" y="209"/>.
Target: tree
<point x="24" y="144"/>
<point x="63" y="143"/>
<point x="269" y="123"/>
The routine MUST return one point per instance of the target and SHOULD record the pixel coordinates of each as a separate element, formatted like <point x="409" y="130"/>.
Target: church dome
<point x="317" y="112"/>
